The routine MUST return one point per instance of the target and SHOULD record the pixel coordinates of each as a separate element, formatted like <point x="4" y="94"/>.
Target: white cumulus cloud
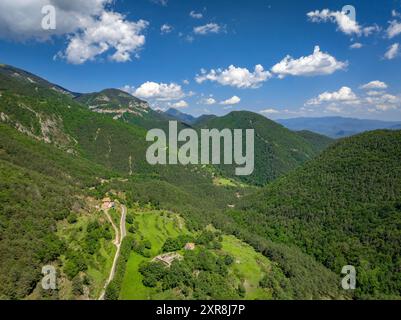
<point x="344" y="23"/>
<point x="344" y="95"/>
<point x="157" y="91"/>
<point x="166" y="28"/>
<point x="356" y="45"/>
<point x="196" y="15"/>
<point x="384" y="101"/>
<point x="235" y="76"/>
<point x="392" y="52"/>
<point x="208" y="28"/>
<point x="109" y="32"/>
<point x="269" y="111"/>
<point x="22" y="19"/>
<point x="395" y="13"/>
<point x="374" y="85"/>
<point x="394" y="29"/>
<point x="318" y="63"/>
<point x="232" y="101"/>
<point x="180" y="104"/>
<point x="209" y="101"/>
<point x="90" y="27"/>
<point x="346" y="101"/>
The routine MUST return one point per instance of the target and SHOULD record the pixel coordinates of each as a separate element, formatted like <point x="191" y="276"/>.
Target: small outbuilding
<point x="107" y="203"/>
<point x="167" y="258"/>
<point x="190" y="246"/>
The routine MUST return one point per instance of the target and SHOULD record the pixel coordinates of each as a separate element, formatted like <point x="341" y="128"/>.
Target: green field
<point x="132" y="288"/>
<point x="115" y="215"/>
<point x="249" y="267"/>
<point x="99" y="264"/>
<point x="156" y="226"/>
<point x="98" y="274"/>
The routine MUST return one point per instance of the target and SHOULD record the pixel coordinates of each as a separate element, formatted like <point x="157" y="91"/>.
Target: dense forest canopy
<point x="343" y="208"/>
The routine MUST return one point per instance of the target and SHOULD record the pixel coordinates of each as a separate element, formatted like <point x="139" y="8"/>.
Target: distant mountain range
<point x="333" y="127"/>
<point x="184" y="117"/>
<point x="337" y="127"/>
<point x="187" y="118"/>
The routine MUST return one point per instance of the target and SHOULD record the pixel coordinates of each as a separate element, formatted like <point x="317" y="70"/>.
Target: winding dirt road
<point x="120" y="235"/>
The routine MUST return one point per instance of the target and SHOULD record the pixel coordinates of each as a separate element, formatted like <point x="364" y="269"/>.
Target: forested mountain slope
<point x="39" y="186"/>
<point x="343" y="208"/>
<point x="56" y="118"/>
<point x="319" y="142"/>
<point x="277" y="149"/>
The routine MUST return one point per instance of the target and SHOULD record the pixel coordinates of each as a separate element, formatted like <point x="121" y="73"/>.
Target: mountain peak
<point x="115" y="102"/>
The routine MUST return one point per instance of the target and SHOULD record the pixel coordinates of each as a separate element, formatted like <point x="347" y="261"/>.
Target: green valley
<point x="312" y="205"/>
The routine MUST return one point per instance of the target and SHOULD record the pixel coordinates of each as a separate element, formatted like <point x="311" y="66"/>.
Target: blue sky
<point x="163" y="65"/>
